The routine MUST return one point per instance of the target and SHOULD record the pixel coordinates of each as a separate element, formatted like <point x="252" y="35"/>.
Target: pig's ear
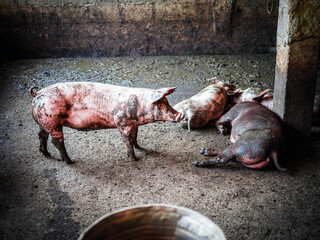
<point x="166" y="91"/>
<point x="214" y="80"/>
<point x="258" y="98"/>
<point x="162" y="92"/>
<point x="235" y="93"/>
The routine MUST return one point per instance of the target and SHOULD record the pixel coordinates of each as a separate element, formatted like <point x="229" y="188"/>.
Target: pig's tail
<point x="34" y="94"/>
<point x="269" y="10"/>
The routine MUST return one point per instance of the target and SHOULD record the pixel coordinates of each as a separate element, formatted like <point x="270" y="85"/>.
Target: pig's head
<point x="244" y="95"/>
<point x="160" y="108"/>
<point x="249" y="94"/>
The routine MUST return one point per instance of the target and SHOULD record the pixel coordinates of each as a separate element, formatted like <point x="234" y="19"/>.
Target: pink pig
<point x="89" y="106"/>
<point x="205" y="106"/>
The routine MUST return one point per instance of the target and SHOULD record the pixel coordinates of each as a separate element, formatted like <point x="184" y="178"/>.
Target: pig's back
<point x="81" y="105"/>
<point x="71" y="89"/>
<point x="90" y="93"/>
<point x="209" y="93"/>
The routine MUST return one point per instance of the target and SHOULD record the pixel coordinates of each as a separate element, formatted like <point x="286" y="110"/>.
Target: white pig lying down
<point x="89" y="106"/>
<point x="204" y="107"/>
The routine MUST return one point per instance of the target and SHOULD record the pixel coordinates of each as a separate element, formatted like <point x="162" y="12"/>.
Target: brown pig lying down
<point x="248" y="94"/>
<point x="257" y="137"/>
<point x="89" y="106"/>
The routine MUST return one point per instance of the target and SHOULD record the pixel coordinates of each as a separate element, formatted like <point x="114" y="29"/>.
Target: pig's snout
<point x="177" y="117"/>
<point x="174" y="116"/>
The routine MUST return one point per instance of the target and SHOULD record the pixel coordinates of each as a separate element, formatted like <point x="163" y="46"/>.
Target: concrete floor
<point x="46" y="199"/>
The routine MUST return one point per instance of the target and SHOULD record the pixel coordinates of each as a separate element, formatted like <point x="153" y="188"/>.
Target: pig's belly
<point x="87" y="120"/>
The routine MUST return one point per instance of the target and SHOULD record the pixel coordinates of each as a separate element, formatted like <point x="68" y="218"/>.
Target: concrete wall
<point x="298" y="40"/>
<point x="60" y="28"/>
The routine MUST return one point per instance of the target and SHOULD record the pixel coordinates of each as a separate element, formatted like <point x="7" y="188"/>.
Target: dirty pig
<point x="257" y="137"/>
<point x="205" y="106"/>
<point x="248" y="94"/>
<point x="267" y="100"/>
<point x="90" y="106"/>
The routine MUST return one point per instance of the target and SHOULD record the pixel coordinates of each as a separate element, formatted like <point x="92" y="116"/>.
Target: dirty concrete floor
<point x="46" y="199"/>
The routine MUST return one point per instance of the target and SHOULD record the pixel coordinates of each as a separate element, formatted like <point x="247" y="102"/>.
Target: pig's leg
<point x="43" y="137"/>
<point x="209" y="152"/>
<point x="135" y="142"/>
<point x="134" y="136"/>
<point x="59" y="144"/>
<point x="222" y="158"/>
<point x="128" y="132"/>
<point x="189" y="125"/>
<point x="129" y="136"/>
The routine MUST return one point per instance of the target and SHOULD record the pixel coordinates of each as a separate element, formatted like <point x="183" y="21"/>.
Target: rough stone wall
<point x="62" y="28"/>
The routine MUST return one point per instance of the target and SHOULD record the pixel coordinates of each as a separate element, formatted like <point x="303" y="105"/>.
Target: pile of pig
<point x="257" y="136"/>
<point x="257" y="133"/>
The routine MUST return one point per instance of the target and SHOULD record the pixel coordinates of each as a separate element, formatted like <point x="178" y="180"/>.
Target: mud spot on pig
<point x="63" y="115"/>
<point x="68" y="106"/>
<point x="133" y="104"/>
<point x="64" y="207"/>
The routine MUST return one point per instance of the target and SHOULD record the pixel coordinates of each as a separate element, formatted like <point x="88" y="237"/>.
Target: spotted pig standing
<point x="90" y="106"/>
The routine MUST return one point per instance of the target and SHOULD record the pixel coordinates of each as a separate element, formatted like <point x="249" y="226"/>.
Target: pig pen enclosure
<point x="47" y="199"/>
<point x="43" y="198"/>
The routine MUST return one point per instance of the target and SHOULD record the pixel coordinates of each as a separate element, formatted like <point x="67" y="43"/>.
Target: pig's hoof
<point x="137" y="146"/>
<point x="225" y="132"/>
<point x="282" y="169"/>
<point x="202" y="151"/>
<point x="68" y="161"/>
<point x="184" y="125"/>
<point x="45" y="152"/>
<point x="208" y="152"/>
<point x="198" y="164"/>
<point x="134" y="159"/>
